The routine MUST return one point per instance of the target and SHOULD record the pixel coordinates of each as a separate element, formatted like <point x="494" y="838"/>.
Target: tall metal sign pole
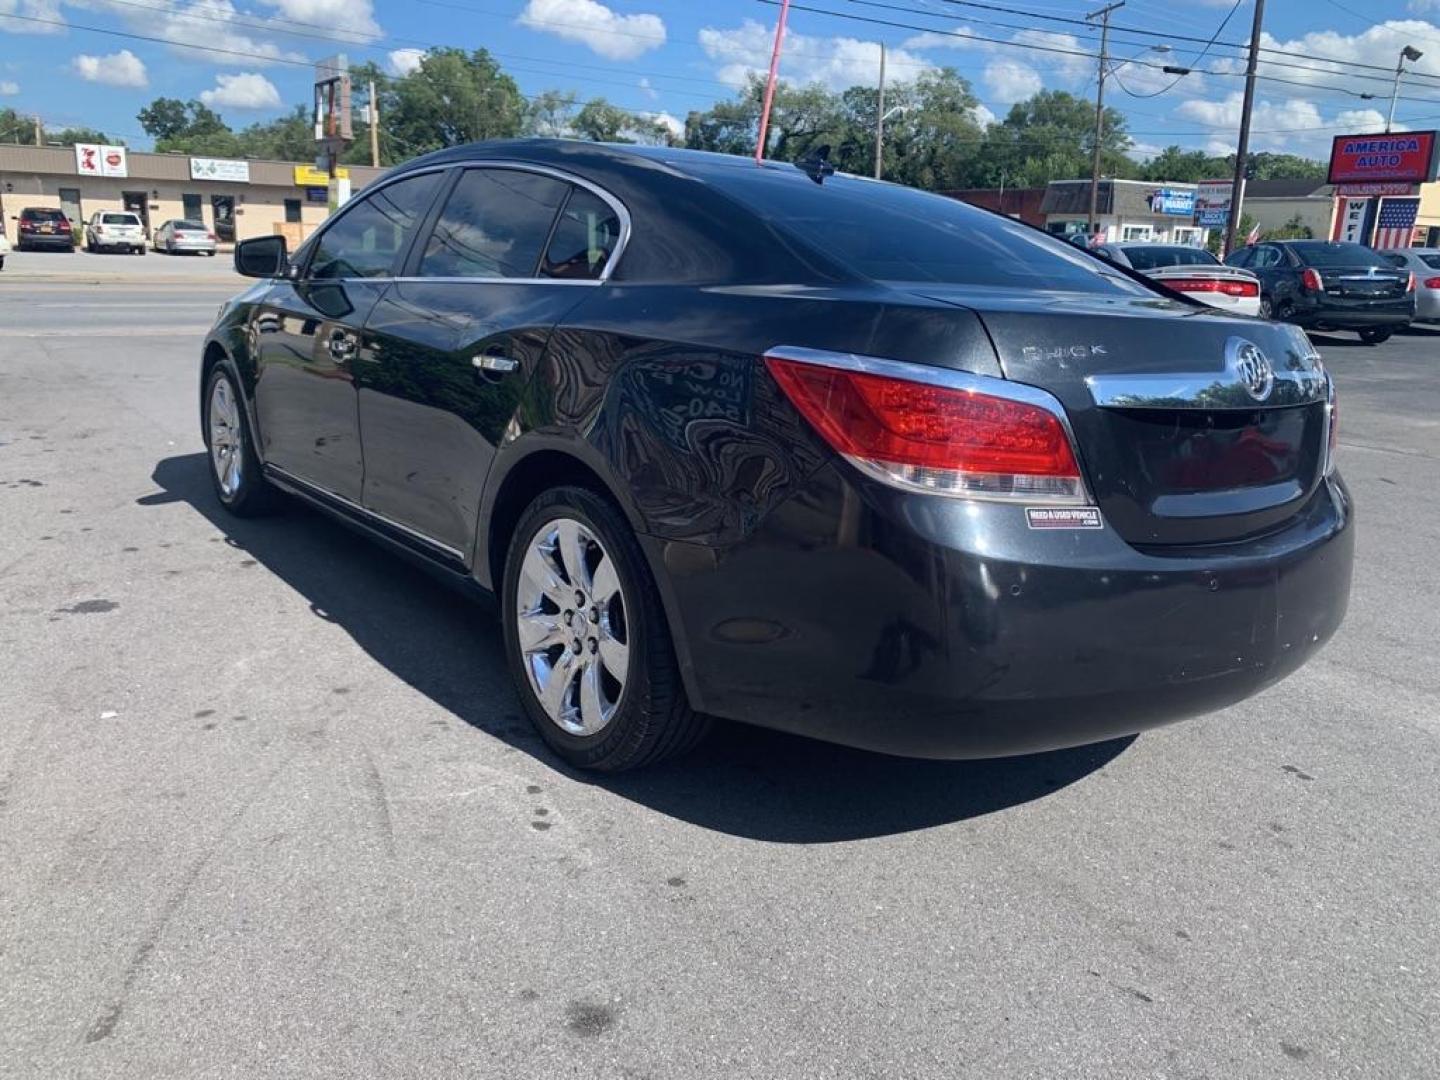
<point x="1242" y="148"/>
<point x="770" y="82"/>
<point x="1104" y="16"/>
<point x="334" y="127"/>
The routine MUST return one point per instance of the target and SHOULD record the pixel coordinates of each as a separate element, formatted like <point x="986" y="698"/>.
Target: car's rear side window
<point x="365" y="240"/>
<point x="494" y="225"/>
<point x="1432" y="261"/>
<point x="1153" y="258"/>
<point x="893" y="233"/>
<point x="584" y="239"/>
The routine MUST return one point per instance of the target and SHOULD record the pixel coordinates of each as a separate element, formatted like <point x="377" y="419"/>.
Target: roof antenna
<point x="816" y="164"/>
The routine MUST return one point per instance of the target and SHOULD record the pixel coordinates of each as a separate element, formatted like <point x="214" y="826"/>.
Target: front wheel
<point x="1374" y="335"/>
<point x="234" y="467"/>
<point x="587" y="640"/>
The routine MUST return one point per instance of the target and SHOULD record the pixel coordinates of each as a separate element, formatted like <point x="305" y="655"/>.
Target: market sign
<point x="310" y="176"/>
<point x="1212" y="219"/>
<point x="1175" y="201"/>
<point x="209" y="168"/>
<point x="1406" y="156"/>
<point x="93" y="159"/>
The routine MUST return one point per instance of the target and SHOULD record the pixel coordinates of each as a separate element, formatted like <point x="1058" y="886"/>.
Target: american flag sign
<point x="1397" y="223"/>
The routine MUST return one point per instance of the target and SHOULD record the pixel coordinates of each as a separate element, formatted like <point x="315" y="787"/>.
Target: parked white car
<point x="1191" y="270"/>
<point x="115" y="230"/>
<point x="177" y="236"/>
<point x="4" y="246"/>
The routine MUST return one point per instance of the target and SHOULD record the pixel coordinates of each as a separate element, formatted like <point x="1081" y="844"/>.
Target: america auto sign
<point x="1404" y="157"/>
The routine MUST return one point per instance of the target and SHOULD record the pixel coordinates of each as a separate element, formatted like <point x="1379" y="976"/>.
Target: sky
<point x="96" y="63"/>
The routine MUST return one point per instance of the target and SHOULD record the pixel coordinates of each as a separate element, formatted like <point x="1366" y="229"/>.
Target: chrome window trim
<point x="626" y="224"/>
<point x="364" y="511"/>
<point x="318" y="236"/>
<point x="949" y="379"/>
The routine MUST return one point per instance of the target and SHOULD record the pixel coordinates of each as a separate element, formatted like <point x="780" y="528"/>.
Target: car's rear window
<point x="119" y="219"/>
<point x="190" y="225"/>
<point x="42" y="215"/>
<point x="1318" y="253"/>
<point x="1159" y="255"/>
<point x="893" y="233"/>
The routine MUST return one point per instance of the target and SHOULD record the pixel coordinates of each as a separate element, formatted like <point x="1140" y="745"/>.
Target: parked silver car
<point x="115" y="230"/>
<point x="1424" y="263"/>
<point x="178" y="235"/>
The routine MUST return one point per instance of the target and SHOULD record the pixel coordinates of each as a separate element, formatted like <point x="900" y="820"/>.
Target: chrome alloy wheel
<point x="227" y="438"/>
<point x="571" y="623"/>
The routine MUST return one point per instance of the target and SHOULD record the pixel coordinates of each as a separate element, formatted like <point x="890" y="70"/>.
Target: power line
<point x="1198" y="57"/>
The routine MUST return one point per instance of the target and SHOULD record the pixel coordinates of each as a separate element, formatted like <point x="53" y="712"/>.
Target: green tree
<point x="1187" y="166"/>
<point x="550" y="114"/>
<point x="801" y="120"/>
<point x="453" y="97"/>
<point x="71" y="136"/>
<point x="188" y="127"/>
<point x="289" y="138"/>
<point x="1051" y="137"/>
<point x="15" y="128"/>
<point x="933" y="141"/>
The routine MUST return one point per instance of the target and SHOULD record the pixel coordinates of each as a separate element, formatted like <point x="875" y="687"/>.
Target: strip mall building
<point x="235" y="199"/>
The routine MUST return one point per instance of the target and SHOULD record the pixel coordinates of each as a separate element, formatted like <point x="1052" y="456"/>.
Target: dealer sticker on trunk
<point x="1063" y="517"/>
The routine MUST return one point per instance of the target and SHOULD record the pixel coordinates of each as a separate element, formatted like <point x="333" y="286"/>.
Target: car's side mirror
<point x="262" y="257"/>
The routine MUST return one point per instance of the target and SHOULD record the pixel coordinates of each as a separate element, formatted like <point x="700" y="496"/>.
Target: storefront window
<point x="192" y="205"/>
<point x="292" y="211"/>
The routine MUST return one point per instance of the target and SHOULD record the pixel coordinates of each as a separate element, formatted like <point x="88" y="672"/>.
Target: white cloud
<point x="247" y="90"/>
<point x="1378" y="46"/>
<point x="351" y="17"/>
<point x="46" y="10"/>
<point x="1293" y="126"/>
<point x="123" y="68"/>
<point x="673" y="124"/>
<point x="592" y="24"/>
<point x="837" y="62"/>
<point x="1010" y="81"/>
<point x="404" y="61"/>
<point x="983" y="116"/>
<point x="8" y="88"/>
<point x="648" y="90"/>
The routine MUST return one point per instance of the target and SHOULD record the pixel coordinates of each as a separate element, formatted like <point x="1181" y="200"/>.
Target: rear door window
<point x="584" y="239"/>
<point x="495" y="225"/>
<point x="370" y="236"/>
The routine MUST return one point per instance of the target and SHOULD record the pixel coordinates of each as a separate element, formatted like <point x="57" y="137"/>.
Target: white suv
<point x="115" y="230"/>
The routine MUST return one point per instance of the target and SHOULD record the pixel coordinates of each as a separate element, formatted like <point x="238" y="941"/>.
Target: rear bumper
<point x="192" y="245"/>
<point x="930" y="627"/>
<point x="52" y="240"/>
<point x="1353" y="314"/>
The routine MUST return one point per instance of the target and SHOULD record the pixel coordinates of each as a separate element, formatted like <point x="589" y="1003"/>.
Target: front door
<point x="138" y="204"/>
<point x="308" y="338"/>
<point x="222" y="207"/>
<point x="454" y="342"/>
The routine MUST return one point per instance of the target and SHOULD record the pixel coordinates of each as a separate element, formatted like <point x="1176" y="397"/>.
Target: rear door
<point x="452" y="345"/>
<point x="307" y="336"/>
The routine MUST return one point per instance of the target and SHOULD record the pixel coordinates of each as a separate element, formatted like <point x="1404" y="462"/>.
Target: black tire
<point x="1266" y="309"/>
<point x="252" y="495"/>
<point x="1374" y="335"/>
<point x="652" y="719"/>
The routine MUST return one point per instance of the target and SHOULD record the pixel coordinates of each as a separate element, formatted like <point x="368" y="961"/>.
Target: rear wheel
<point x="1266" y="311"/>
<point x="587" y="640"/>
<point x="234" y="468"/>
<point x="1374" y="335"/>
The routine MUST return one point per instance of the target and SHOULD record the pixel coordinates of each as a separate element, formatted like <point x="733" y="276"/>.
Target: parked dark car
<point x="1330" y="285"/>
<point x="811" y="452"/>
<point x="41" y="227"/>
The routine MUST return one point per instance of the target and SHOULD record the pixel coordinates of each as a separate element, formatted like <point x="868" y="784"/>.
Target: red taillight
<point x="1311" y="281"/>
<point x="1212" y="285"/>
<point x="27" y="226"/>
<point x="62" y="224"/>
<point x="1432" y="283"/>
<point x="937" y="438"/>
<point x="211" y="236"/>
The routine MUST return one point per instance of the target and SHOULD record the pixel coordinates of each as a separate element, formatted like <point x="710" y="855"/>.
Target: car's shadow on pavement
<point x="744" y="781"/>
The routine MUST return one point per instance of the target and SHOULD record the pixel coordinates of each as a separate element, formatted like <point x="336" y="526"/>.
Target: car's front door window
<point x="369" y="238"/>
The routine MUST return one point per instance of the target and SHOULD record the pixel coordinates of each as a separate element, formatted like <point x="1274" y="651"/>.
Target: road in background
<point x="269" y="808"/>
<point x="113" y="268"/>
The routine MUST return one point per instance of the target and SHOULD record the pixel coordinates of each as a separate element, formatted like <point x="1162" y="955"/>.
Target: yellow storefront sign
<point x="310" y="176"/>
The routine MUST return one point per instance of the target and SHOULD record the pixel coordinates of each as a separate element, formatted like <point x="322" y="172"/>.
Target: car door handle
<point x="342" y="347"/>
<point x="495" y="362"/>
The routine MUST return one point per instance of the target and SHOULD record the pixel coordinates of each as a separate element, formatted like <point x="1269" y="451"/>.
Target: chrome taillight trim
<point x="1329" y="424"/>
<point x="948" y="379"/>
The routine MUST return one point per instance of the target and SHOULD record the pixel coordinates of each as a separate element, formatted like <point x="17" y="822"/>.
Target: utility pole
<point x="1104" y="16"/>
<point x="1242" y="149"/>
<point x="39" y="133"/>
<point x="880" y="116"/>
<point x="374" y="127"/>
<point x="770" y="82"/>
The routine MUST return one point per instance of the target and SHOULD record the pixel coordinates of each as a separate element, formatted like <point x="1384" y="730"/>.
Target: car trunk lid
<point x="1182" y="437"/>
<point x="1363" y="283"/>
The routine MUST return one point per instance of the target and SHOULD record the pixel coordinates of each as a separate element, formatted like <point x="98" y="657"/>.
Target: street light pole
<point x="880" y="115"/>
<point x="1242" y="149"/>
<point x="1409" y="52"/>
<point x="1104" y="16"/>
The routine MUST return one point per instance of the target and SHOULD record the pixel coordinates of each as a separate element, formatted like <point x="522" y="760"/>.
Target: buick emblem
<point x="1252" y="368"/>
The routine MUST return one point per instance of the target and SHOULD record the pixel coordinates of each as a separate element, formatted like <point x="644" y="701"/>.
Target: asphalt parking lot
<point x="268" y="808"/>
